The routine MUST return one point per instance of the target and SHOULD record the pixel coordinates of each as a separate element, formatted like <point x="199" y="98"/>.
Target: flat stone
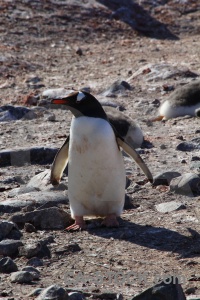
<point x="164" y="178"/>
<point x="187" y="184"/>
<point x="37" y="199"/>
<point x="47" y="218"/>
<point x="75" y="296"/>
<point x="21" y="277"/>
<point x="53" y="292"/>
<point x="169" y="206"/>
<point x="7" y="265"/>
<point x="9" y="247"/>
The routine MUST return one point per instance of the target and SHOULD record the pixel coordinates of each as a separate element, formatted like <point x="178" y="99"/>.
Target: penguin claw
<point x="77" y="226"/>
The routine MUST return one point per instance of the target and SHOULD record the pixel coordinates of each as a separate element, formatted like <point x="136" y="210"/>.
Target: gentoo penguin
<point x="125" y="126"/>
<point x="96" y="173"/>
<point x="183" y="101"/>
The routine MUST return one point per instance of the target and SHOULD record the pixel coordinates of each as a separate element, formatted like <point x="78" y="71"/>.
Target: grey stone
<point x="48" y="218"/>
<point x="29" y="250"/>
<point x="35" y="199"/>
<point x="53" y="292"/>
<point x="12" y="113"/>
<point x="169" y="206"/>
<point x="118" y="87"/>
<point x="7" y="265"/>
<point x="9" y="247"/>
<point x="164" y="178"/>
<point x="168" y="289"/>
<point x="187" y="184"/>
<point x="28" y="227"/>
<point x="22" y="156"/>
<point x="75" y="296"/>
<point x="21" y="277"/>
<point x="192" y="145"/>
<point x="35" y="292"/>
<point x="35" y="262"/>
<point x="33" y="271"/>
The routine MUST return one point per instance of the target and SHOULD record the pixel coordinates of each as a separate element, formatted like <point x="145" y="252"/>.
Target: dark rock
<point x="79" y="51"/>
<point x="29" y="250"/>
<point x="192" y="145"/>
<point x="35" y="199"/>
<point x="118" y="87"/>
<point x="164" y="178"/>
<point x="187" y="184"/>
<point x="169" y="206"/>
<point x="75" y="296"/>
<point x="36" y="292"/>
<point x="48" y="218"/>
<point x="168" y="289"/>
<point x="21" y="277"/>
<point x="12" y="113"/>
<point x="23" y="156"/>
<point x="33" y="271"/>
<point x="5" y="228"/>
<point x="7" y="265"/>
<point x="35" y="262"/>
<point x="53" y="292"/>
<point x="9" y="247"/>
<point x="28" y="227"/>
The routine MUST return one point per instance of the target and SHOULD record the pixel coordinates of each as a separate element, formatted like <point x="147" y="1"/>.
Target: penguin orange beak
<point x="159" y="118"/>
<point x="59" y="101"/>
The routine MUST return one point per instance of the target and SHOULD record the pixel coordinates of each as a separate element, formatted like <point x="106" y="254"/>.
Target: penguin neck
<point x="94" y="113"/>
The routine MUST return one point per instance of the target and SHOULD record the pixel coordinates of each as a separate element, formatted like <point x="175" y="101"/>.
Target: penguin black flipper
<point x="59" y="163"/>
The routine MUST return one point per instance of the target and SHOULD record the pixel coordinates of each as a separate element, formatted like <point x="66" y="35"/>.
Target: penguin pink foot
<point x="110" y="221"/>
<point x="78" y="225"/>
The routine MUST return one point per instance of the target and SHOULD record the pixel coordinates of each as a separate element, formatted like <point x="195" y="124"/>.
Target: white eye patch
<point x="80" y="96"/>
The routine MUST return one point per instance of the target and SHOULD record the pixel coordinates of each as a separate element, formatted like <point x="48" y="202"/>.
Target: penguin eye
<point x="80" y="97"/>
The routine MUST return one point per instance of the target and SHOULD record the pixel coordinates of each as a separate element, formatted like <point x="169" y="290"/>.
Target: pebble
<point x="30" y="250"/>
<point x="28" y="227"/>
<point x="33" y="271"/>
<point x="35" y="262"/>
<point x="9" y="247"/>
<point x="53" y="292"/>
<point x="167" y="207"/>
<point x="165" y="177"/>
<point x="21" y="277"/>
<point x="35" y="292"/>
<point x="187" y="184"/>
<point x="47" y="218"/>
<point x="7" y="265"/>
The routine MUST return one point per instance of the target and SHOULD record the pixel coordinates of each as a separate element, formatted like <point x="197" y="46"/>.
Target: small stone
<point x="35" y="292"/>
<point x="53" y="292"/>
<point x="75" y="296"/>
<point x="163" y="146"/>
<point x="28" y="227"/>
<point x="118" y="87"/>
<point x="192" y="145"/>
<point x="9" y="247"/>
<point x="35" y="262"/>
<point x="33" y="271"/>
<point x="187" y="184"/>
<point x="79" y="51"/>
<point x="169" y="206"/>
<point x="21" y="277"/>
<point x="5" y="228"/>
<point x="7" y="265"/>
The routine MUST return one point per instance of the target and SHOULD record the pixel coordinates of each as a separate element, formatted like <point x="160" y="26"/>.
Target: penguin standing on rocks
<point x="96" y="184"/>
<point x="184" y="101"/>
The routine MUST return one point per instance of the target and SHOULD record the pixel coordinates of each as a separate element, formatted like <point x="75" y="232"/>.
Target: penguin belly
<point x="172" y="111"/>
<point x="96" y="178"/>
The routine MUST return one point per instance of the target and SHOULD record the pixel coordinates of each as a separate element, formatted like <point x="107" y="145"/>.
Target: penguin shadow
<point x="138" y="19"/>
<point x="158" y="238"/>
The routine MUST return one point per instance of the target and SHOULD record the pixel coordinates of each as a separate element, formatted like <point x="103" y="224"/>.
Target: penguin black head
<point x="82" y="104"/>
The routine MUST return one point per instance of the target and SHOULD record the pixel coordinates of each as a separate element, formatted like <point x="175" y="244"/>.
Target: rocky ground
<point x="154" y="47"/>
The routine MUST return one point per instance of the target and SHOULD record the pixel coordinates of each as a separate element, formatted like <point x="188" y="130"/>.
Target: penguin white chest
<point x="96" y="169"/>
